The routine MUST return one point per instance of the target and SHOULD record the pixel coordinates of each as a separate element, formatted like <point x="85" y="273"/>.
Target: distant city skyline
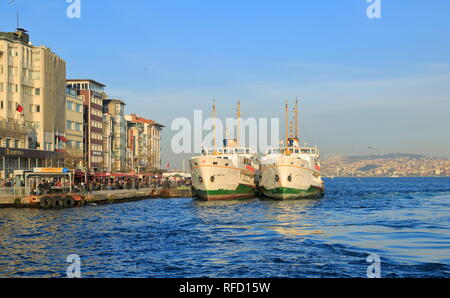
<point x="366" y="86"/>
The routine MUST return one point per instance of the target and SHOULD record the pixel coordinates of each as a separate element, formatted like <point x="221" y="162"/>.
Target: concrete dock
<point x="60" y="201"/>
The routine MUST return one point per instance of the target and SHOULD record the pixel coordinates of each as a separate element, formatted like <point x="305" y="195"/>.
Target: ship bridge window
<point x="296" y="151"/>
<point x="306" y="151"/>
<point x="214" y="163"/>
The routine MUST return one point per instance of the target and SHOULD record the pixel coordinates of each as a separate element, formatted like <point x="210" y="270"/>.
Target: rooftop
<point x="108" y="100"/>
<point x="135" y="118"/>
<point x="20" y="35"/>
<point x="85" y="80"/>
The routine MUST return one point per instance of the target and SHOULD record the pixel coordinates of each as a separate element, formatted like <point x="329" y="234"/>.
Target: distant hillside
<point x="385" y="156"/>
<point x="368" y="168"/>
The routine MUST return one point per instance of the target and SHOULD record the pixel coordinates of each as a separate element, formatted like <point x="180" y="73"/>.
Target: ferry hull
<point x="216" y="179"/>
<point x="286" y="193"/>
<point x="288" y="178"/>
<point x="242" y="192"/>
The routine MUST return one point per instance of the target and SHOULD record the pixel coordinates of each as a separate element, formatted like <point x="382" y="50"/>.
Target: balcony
<point x="13" y="129"/>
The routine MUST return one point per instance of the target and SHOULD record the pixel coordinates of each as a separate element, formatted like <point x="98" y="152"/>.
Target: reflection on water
<point x="288" y="218"/>
<point x="405" y="221"/>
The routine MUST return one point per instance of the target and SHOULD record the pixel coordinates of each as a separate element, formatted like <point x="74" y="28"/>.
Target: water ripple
<point x="405" y="221"/>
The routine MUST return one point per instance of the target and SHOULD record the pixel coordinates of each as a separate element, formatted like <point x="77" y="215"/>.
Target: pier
<point x="71" y="200"/>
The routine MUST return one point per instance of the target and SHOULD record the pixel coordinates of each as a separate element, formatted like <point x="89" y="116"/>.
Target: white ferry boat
<point x="225" y="173"/>
<point x="292" y="171"/>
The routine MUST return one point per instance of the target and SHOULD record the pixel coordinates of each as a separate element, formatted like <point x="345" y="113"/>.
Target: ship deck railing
<point x="293" y="150"/>
<point x="230" y="150"/>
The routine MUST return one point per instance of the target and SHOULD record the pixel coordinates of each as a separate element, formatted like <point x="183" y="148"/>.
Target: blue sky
<point x="362" y="82"/>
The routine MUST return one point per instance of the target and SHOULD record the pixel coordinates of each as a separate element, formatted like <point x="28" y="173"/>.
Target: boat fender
<point x="45" y="202"/>
<point x="57" y="202"/>
<point x="69" y="202"/>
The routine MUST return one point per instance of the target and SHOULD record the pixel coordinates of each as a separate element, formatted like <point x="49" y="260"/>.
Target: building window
<point x="27" y="90"/>
<point x="35" y="108"/>
<point x="37" y="91"/>
<point x="70" y="105"/>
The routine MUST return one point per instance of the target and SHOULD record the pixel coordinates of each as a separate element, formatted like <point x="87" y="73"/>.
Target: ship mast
<point x="286" y="125"/>
<point x="214" y="114"/>
<point x="238" y="115"/>
<point x="296" y="119"/>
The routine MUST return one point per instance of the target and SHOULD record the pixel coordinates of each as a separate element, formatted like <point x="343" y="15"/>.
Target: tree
<point x="73" y="158"/>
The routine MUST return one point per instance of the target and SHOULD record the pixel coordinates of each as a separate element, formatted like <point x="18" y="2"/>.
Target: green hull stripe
<point x="292" y="191"/>
<point x="240" y="190"/>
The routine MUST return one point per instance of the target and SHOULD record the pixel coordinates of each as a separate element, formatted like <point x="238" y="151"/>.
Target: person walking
<point x="90" y="187"/>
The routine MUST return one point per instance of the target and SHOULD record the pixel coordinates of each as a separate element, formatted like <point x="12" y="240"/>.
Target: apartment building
<point x="143" y="143"/>
<point x="114" y="135"/>
<point x="93" y="94"/>
<point x="74" y="129"/>
<point x="32" y="103"/>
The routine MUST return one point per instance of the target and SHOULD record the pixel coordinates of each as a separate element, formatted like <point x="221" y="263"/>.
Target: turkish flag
<point x="19" y="108"/>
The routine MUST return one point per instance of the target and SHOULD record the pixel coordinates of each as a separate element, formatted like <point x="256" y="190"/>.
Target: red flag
<point x="19" y="108"/>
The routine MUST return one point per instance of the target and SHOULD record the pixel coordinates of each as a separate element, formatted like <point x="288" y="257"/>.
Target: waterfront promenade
<point x="57" y="201"/>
